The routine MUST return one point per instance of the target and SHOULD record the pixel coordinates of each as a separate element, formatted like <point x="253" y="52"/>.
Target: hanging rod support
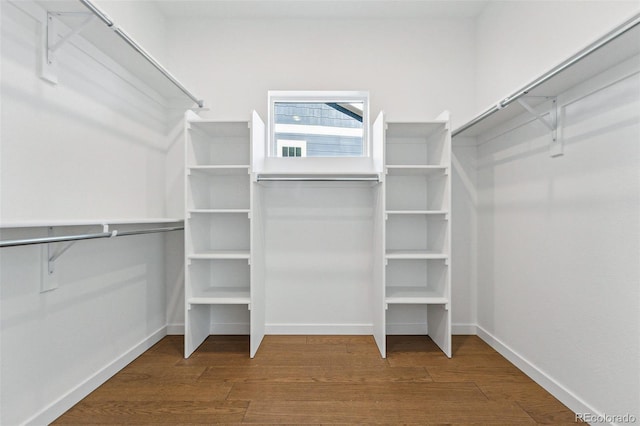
<point x="52" y="43"/>
<point x="55" y="46"/>
<point x="551" y="123"/>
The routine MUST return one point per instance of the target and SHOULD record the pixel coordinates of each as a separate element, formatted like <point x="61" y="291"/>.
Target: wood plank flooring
<point x="320" y="380"/>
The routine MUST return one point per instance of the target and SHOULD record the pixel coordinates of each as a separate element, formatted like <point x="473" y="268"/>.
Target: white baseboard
<point x="75" y="395"/>
<point x="319" y="329"/>
<point x="565" y="396"/>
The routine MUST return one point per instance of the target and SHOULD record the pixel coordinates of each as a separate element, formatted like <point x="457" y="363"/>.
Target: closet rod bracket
<point x="50" y="255"/>
<point x="49" y="279"/>
<point x="52" y="43"/>
<point x="551" y="123"/>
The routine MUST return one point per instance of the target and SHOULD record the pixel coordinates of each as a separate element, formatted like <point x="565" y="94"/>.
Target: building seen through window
<point x="318" y="129"/>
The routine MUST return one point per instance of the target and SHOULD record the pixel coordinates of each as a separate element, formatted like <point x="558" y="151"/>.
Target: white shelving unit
<point x="218" y="225"/>
<point x="229" y="207"/>
<point x="417" y="226"/>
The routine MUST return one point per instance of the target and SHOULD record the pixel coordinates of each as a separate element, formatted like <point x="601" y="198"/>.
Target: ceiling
<point x="372" y="9"/>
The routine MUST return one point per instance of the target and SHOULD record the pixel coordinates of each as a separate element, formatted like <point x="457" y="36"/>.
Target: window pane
<point x="285" y="151"/>
<point x="330" y="129"/>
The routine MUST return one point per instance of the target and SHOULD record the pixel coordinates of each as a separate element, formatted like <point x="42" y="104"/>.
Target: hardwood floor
<point x="319" y="379"/>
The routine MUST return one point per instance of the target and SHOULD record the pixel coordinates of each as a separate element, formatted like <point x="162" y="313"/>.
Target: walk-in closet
<point x="319" y="211"/>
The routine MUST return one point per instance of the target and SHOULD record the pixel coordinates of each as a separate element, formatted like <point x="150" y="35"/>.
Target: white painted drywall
<point x="90" y="147"/>
<point x="142" y="20"/>
<point x="414" y="69"/>
<point x="559" y="245"/>
<point x="517" y="41"/>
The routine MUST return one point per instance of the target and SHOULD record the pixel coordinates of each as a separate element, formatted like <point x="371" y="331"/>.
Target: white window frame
<point x="316" y="97"/>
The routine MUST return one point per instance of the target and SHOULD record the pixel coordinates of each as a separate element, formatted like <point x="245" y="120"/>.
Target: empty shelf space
<point x="229" y="189"/>
<point x="400" y="132"/>
<point x="224" y="144"/>
<point x="413" y="295"/>
<point x="414" y="254"/>
<point x="221" y="254"/>
<point x="222" y="296"/>
<point x="426" y="170"/>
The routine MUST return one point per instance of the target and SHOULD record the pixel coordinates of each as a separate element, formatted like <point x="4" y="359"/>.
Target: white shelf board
<point x="222" y="296"/>
<point x="87" y="222"/>
<point x="416" y="212"/>
<point x="397" y="131"/>
<point x="610" y="54"/>
<point x="413" y="295"/>
<point x="426" y="170"/>
<point x="221" y="254"/>
<point x="414" y="254"/>
<point x="113" y="45"/>
<point x="221" y="129"/>
<point x="232" y="169"/>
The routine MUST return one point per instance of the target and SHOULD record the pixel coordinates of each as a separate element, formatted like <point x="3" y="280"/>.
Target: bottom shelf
<point x="222" y="296"/>
<point x="414" y="295"/>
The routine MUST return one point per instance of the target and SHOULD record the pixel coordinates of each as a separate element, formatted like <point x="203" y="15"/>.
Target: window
<point x="291" y="148"/>
<point x="318" y="124"/>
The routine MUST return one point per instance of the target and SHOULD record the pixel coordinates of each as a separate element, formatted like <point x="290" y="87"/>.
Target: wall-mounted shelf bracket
<point x="50" y="255"/>
<point x="49" y="280"/>
<point x="555" y="147"/>
<point x="52" y="43"/>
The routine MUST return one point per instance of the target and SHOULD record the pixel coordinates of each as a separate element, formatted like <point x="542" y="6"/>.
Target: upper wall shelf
<point x="85" y="19"/>
<point x="622" y="43"/>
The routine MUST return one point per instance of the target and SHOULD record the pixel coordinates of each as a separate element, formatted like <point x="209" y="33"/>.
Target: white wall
<point x="142" y="20"/>
<point x="559" y="244"/>
<point x="517" y="41"/>
<point x="414" y="69"/>
<point x="558" y="239"/>
<point x="90" y="147"/>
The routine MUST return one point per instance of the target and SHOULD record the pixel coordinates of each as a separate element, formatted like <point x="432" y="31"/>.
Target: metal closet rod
<point x="124" y="36"/>
<point x="60" y="239"/>
<point x="612" y="35"/>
